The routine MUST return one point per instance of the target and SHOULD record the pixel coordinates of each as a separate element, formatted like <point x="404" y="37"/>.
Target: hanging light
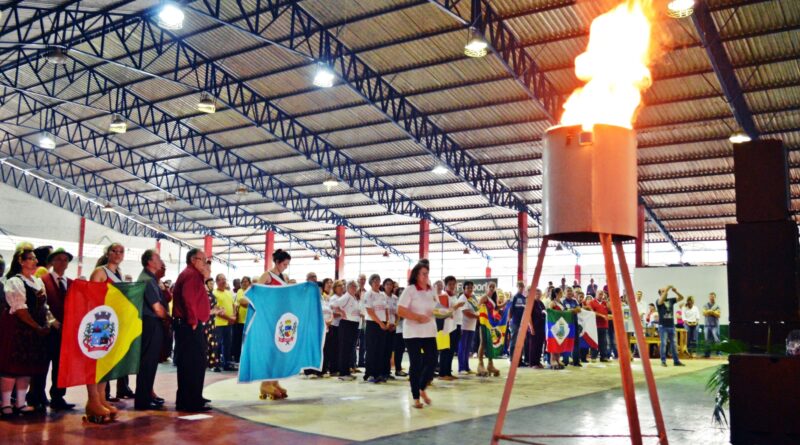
<point x="324" y="77"/>
<point x="47" y="141"/>
<point x="241" y="190"/>
<point x="440" y="169"/>
<point x="118" y="125"/>
<point x="56" y="56"/>
<point x="206" y="104"/>
<point x="679" y="9"/>
<point x="316" y="257"/>
<point x="739" y="137"/>
<point x="559" y="248"/>
<point x="386" y="254"/>
<point x="466" y="251"/>
<point x="108" y="208"/>
<point x="330" y="183"/>
<point x="170" y="17"/>
<point x="476" y="45"/>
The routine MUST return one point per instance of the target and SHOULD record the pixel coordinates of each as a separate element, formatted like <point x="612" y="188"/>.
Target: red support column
<point x="338" y="272"/>
<point x="640" y="236"/>
<point x="578" y="273"/>
<point x="158" y="246"/>
<point x="81" y="238"/>
<point x="522" y="247"/>
<point x="269" y="249"/>
<point x="488" y="271"/>
<point x="208" y="246"/>
<point x="424" y="238"/>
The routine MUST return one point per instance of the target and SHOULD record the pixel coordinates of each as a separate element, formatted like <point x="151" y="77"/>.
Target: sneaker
<point x="401" y="374"/>
<point x="664" y="364"/>
<point x="373" y="380"/>
<point x="389" y="377"/>
<point x="347" y="378"/>
<point x="679" y="364"/>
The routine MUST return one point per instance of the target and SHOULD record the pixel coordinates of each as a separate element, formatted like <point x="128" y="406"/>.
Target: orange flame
<point x="615" y="67"/>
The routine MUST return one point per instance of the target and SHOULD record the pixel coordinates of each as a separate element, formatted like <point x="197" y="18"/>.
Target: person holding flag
<point x="24" y="327"/>
<point x="489" y="305"/>
<point x="272" y="389"/>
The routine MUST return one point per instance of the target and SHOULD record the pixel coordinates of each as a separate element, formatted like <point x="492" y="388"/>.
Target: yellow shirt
<point x="243" y="302"/>
<point x="225" y="301"/>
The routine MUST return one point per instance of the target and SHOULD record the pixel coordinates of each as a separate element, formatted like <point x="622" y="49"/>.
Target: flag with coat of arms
<point x="283" y="332"/>
<point x="560" y="331"/>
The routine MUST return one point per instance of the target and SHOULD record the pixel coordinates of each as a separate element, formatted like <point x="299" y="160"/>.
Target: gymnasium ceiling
<point x="405" y="99"/>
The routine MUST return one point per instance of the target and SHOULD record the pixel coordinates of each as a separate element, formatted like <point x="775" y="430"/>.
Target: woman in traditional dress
<point x="490" y="300"/>
<point x="107" y="270"/>
<point x="24" y="324"/>
<point x="274" y="277"/>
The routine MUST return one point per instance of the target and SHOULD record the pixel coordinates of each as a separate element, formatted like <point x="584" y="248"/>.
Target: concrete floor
<point x="327" y="411"/>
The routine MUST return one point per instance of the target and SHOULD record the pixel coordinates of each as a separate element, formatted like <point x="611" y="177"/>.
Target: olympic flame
<point x="615" y="67"/>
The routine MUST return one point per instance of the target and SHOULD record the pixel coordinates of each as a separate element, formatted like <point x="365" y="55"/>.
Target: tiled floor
<point x="331" y="412"/>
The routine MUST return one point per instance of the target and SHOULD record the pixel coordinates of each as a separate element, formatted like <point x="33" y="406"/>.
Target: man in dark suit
<point x="56" y="286"/>
<point x="153" y="311"/>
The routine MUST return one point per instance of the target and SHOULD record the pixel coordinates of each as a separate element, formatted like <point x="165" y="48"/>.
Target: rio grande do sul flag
<point x="283" y="333"/>
<point x="560" y="331"/>
<point x="102" y="332"/>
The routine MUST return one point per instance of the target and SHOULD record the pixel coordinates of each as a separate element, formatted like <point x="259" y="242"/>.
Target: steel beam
<point x="709" y="35"/>
<point x="661" y="227"/>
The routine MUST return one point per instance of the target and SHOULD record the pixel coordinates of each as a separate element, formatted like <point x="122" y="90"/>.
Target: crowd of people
<point x="370" y="324"/>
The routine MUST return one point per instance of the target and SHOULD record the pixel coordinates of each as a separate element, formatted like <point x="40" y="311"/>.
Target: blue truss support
<point x="50" y="192"/>
<point x="102" y="147"/>
<point x="249" y="103"/>
<point x="49" y="162"/>
<point x="723" y="68"/>
<point x="660" y="226"/>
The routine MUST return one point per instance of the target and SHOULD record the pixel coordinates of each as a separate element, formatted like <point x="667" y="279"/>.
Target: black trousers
<point x="422" y="355"/>
<point x="330" y="356"/>
<point x="236" y="349"/>
<point x="362" y="349"/>
<point x="399" y="346"/>
<point x="375" y="338"/>
<point x="388" y="348"/>
<point x="191" y="352"/>
<point x="37" y="390"/>
<point x="446" y="355"/>
<point x="348" y="334"/>
<point x="537" y="345"/>
<point x="152" y="339"/>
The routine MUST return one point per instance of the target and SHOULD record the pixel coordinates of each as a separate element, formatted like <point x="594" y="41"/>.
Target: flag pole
<point x="523" y="328"/>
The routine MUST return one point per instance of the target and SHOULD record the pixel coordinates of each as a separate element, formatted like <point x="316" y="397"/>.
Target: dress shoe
<point x="158" y="401"/>
<point x="206" y="400"/>
<point x="152" y="406"/>
<point x="61" y="405"/>
<point x="125" y="393"/>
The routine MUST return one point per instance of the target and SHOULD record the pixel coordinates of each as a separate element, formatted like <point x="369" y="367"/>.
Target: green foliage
<point x="719" y="382"/>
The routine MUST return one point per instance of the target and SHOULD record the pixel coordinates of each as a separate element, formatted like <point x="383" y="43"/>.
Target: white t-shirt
<point x="458" y="316"/>
<point x="332" y="304"/>
<point x="350" y="306"/>
<point x="377" y="302"/>
<point x="419" y="302"/>
<point x="393" y="317"/>
<point x="467" y="324"/>
<point x="691" y="315"/>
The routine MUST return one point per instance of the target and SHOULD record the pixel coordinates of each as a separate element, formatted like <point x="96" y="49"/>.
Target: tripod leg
<point x="644" y="352"/>
<point x="523" y="328"/>
<point x="622" y="339"/>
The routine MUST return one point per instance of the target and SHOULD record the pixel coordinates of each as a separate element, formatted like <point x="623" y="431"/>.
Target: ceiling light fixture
<point x="56" y="56"/>
<point x="679" y="9"/>
<point x="476" y="46"/>
<point x="330" y="183"/>
<point x="241" y="190"/>
<point x="47" y="141"/>
<point x="316" y="257"/>
<point x="739" y="137"/>
<point x="206" y="104"/>
<point x="440" y="169"/>
<point x="170" y="17"/>
<point x="386" y="254"/>
<point x="108" y="208"/>
<point x="466" y="251"/>
<point x="324" y="77"/>
<point x="118" y="125"/>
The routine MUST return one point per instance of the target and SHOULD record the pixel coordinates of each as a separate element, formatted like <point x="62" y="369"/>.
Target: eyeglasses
<point x="29" y="258"/>
<point x="117" y="251"/>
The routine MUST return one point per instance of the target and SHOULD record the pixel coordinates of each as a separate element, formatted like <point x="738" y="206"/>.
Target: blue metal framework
<point x="171" y="130"/>
<point x="48" y="191"/>
<point x="252" y="106"/>
<point x="723" y="68"/>
<point x="660" y="225"/>
<point x="48" y="162"/>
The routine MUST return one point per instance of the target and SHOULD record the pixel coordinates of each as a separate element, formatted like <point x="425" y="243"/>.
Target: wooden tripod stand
<point x="623" y="348"/>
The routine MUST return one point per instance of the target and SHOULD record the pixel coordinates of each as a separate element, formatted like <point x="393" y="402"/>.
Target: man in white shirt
<point x="469" y="313"/>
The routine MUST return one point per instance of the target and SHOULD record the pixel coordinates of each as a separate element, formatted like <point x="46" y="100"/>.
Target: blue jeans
<point x="602" y="344"/>
<point x="664" y="334"/>
<point x="512" y="344"/>
<point x="712" y="338"/>
<point x="691" y="337"/>
<point x="224" y="335"/>
<point x="465" y="350"/>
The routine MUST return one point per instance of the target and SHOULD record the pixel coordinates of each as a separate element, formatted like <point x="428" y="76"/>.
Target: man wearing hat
<point x="56" y="285"/>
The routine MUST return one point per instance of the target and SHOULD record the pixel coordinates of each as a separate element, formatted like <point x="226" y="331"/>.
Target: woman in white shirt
<point x="24" y="327"/>
<point x="691" y="317"/>
<point x="337" y="289"/>
<point x="419" y="331"/>
<point x="349" y="308"/>
<point x="391" y="334"/>
<point x="377" y="329"/>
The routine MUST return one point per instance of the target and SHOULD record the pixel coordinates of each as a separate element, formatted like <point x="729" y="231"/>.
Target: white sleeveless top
<point x="112" y="277"/>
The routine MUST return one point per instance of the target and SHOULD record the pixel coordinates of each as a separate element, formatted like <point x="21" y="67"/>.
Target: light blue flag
<point x="284" y="332"/>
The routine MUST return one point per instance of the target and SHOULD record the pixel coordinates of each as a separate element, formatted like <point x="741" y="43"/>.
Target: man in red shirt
<point x="191" y="309"/>
<point x="599" y="306"/>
